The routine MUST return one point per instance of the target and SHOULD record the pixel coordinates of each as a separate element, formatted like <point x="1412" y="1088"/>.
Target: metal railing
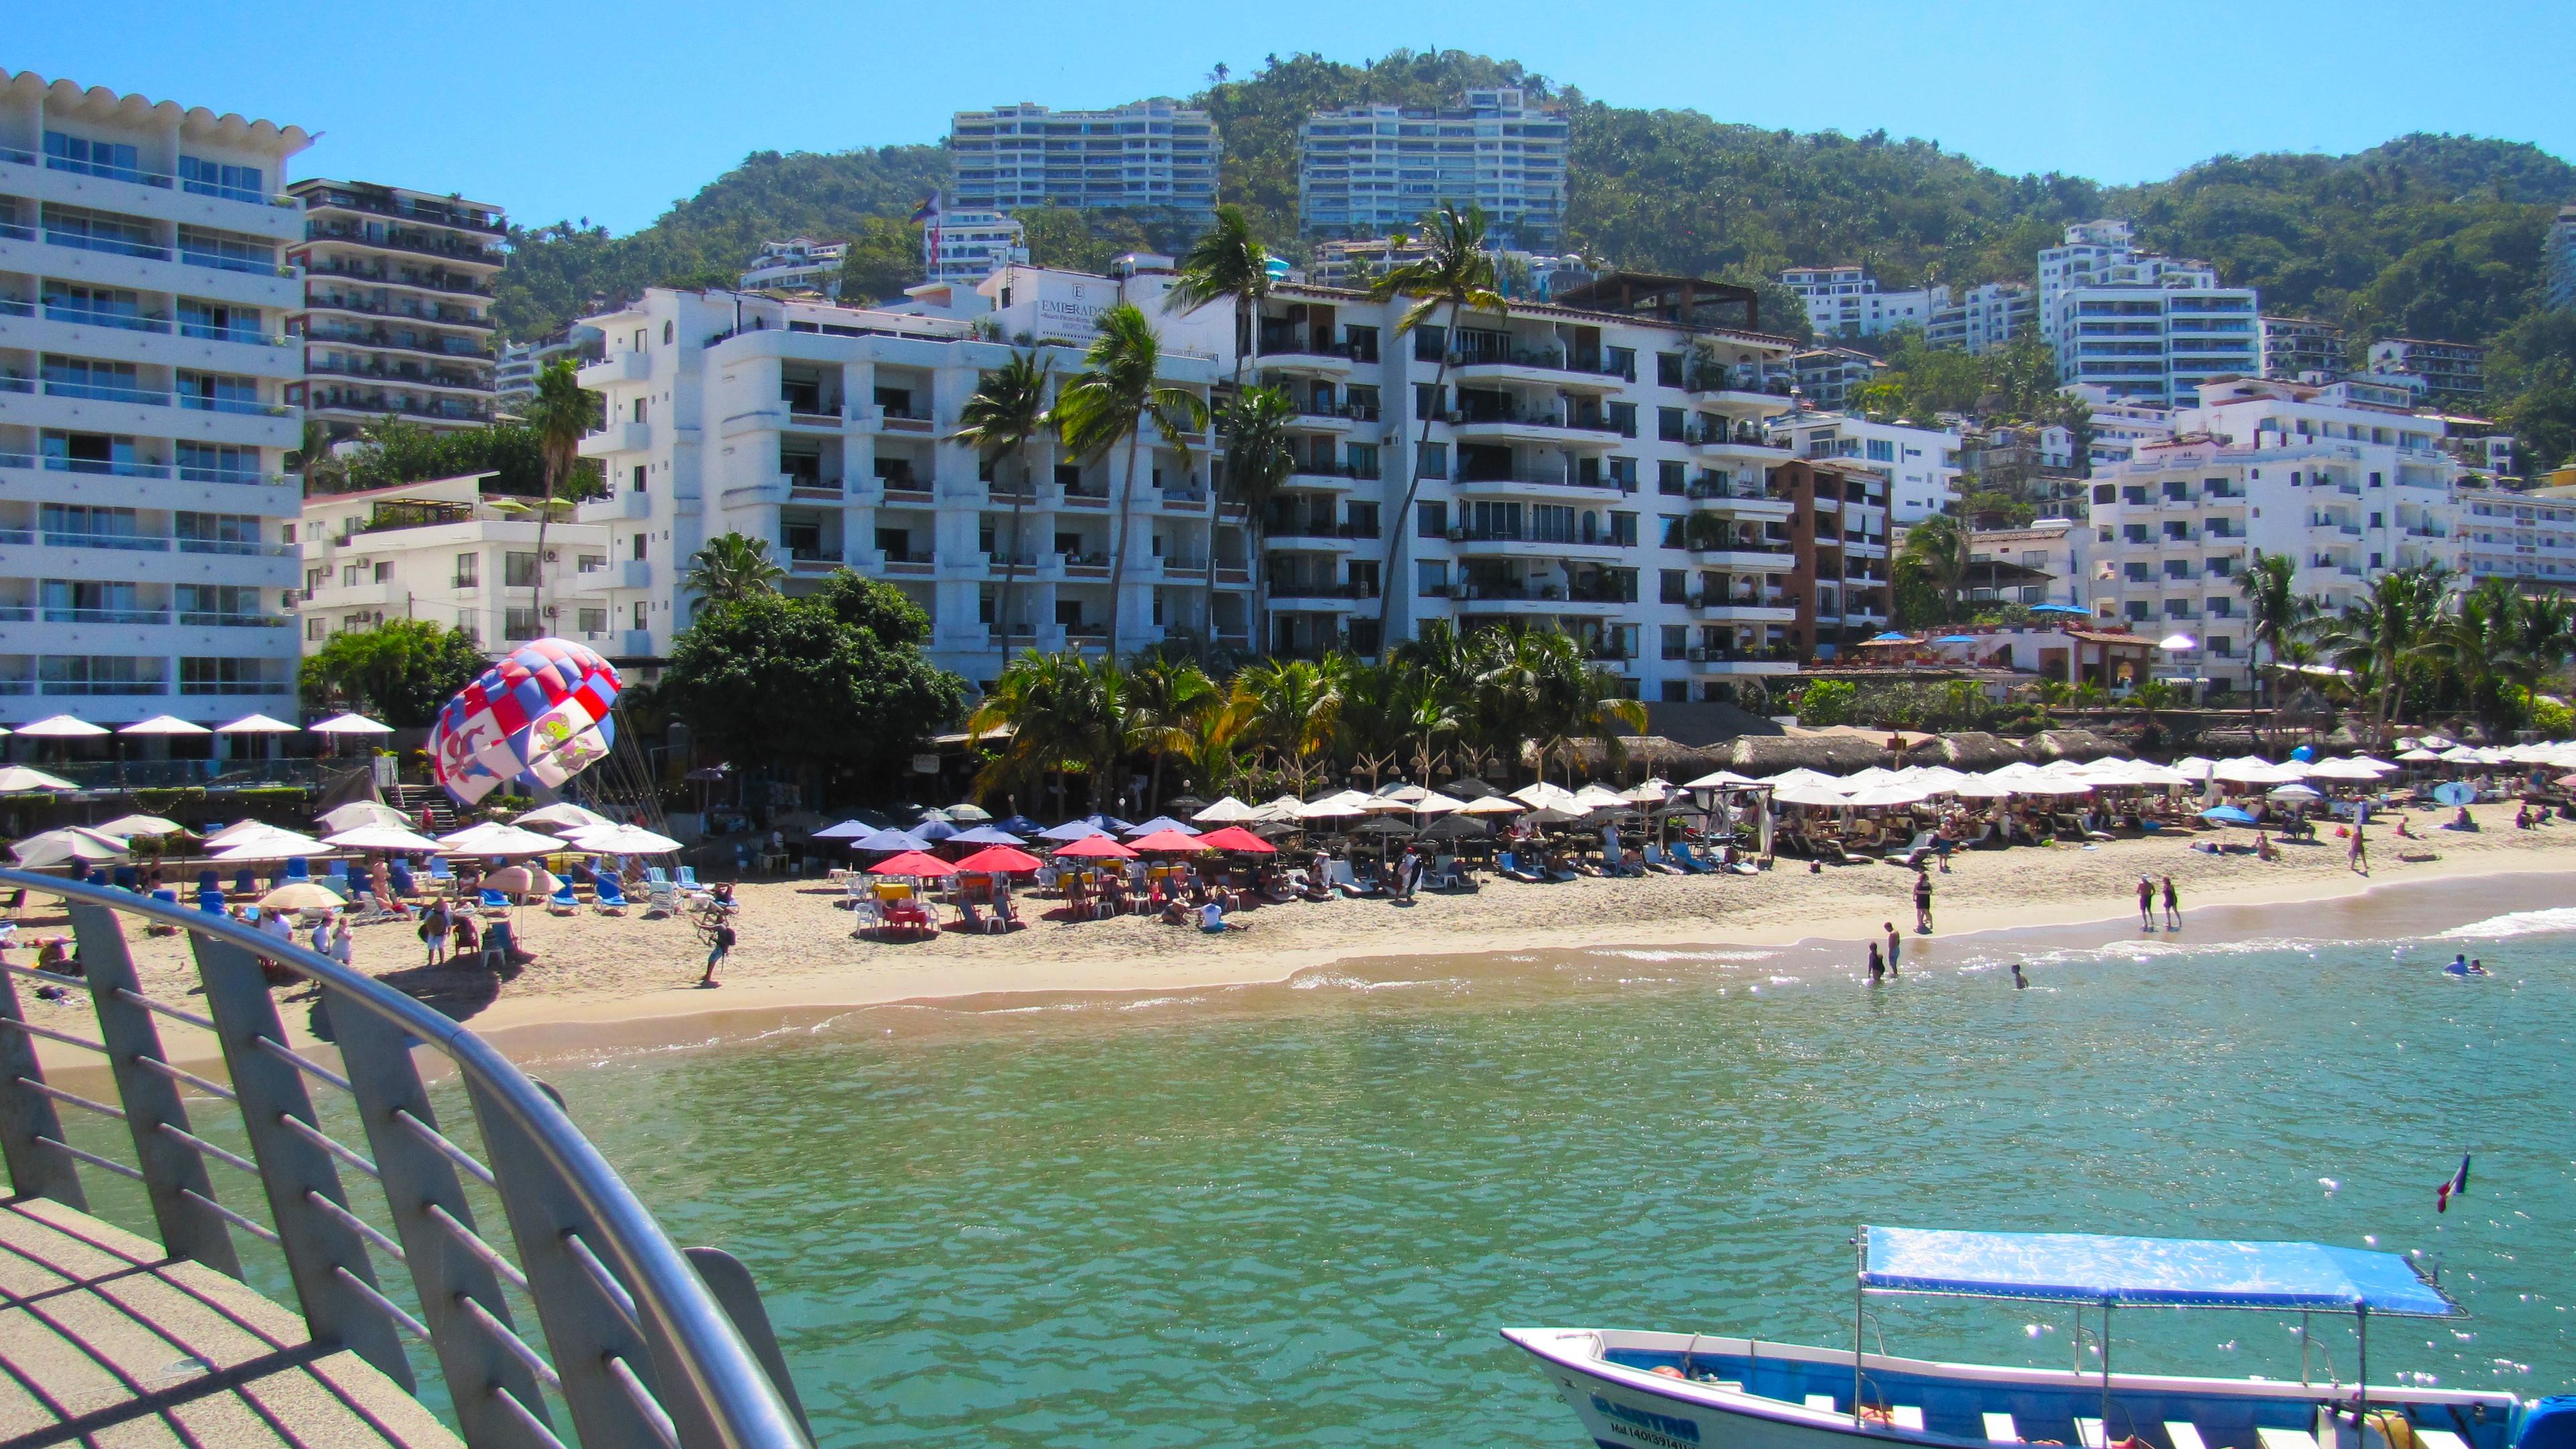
<point x="640" y="1349"/>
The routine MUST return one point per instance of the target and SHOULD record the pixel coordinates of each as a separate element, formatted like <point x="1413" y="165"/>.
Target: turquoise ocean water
<point x="1296" y="1214"/>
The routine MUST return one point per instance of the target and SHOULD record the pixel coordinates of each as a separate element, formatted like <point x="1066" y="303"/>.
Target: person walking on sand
<point x="2146" y="903"/>
<point x="1877" y="965"/>
<point x="2173" y="906"/>
<point x="720" y="944"/>
<point x="2358" y="858"/>
<point x="1922" y="901"/>
<point x="1895" y="945"/>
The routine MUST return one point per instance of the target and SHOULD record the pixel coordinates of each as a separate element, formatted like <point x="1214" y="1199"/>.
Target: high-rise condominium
<point x="1377" y="169"/>
<point x="1153" y="154"/>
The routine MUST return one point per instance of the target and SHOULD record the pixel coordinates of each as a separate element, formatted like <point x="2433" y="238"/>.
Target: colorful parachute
<point x="540" y="716"/>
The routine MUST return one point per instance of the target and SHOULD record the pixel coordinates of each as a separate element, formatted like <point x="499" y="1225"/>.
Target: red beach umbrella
<point x="912" y="863"/>
<point x="1235" y="837"/>
<point x="1169" y="840"/>
<point x="1094" y="847"/>
<point x="999" y="860"/>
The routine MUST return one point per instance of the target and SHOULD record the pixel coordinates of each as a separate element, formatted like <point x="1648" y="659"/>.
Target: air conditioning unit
<point x="550" y="555"/>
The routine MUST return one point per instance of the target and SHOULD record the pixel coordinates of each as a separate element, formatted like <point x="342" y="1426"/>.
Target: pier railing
<point x="639" y="1348"/>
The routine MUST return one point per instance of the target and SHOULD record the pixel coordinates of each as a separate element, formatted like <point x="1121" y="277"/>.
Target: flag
<point x="2458" y="1185"/>
<point x="929" y="208"/>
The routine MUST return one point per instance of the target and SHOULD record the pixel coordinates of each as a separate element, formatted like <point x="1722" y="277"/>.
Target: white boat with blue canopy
<point x="1653" y="1390"/>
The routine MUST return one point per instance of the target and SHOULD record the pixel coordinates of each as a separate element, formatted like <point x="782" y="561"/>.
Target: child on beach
<point x="1922" y="901"/>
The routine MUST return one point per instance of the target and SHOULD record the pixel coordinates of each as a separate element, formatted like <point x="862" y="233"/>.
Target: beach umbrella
<point x="1801" y="776"/>
<point x="2461" y="755"/>
<point x="70" y="843"/>
<point x="2294" y="794"/>
<point x="1721" y="780"/>
<point x="984" y="835"/>
<point x="1332" y="807"/>
<point x="1110" y="824"/>
<point x="1094" y="847"/>
<point x="1019" y="825"/>
<point x="164" y="724"/>
<point x="380" y="837"/>
<point x="889" y="839"/>
<point x="912" y="863"/>
<point x="2455" y="792"/>
<point x="302" y="895"/>
<point x="1072" y="830"/>
<point x="351" y="724"/>
<point x="1386" y="825"/>
<point x="2567" y="782"/>
<point x="1000" y="860"/>
<point x="846" y="830"/>
<point x="969" y="814"/>
<point x="2226" y="815"/>
<point x="1888" y="793"/>
<point x="359" y="813"/>
<point x="126" y="827"/>
<point x="2248" y="770"/>
<point x="1805" y="793"/>
<point x="1549" y="815"/>
<point x="1599" y="797"/>
<point x="1435" y="803"/>
<point x="929" y="815"/>
<point x="1978" y="787"/>
<point x="59" y="727"/>
<point x="519" y="882"/>
<point x="2419" y="756"/>
<point x="1159" y="825"/>
<point x="2342" y="770"/>
<point x="19" y="780"/>
<point x="1652" y="792"/>
<point x="241" y="830"/>
<point x="2042" y="785"/>
<point x="1235" y="837"/>
<point x="614" y="839"/>
<point x="492" y="838"/>
<point x="1459" y="826"/>
<point x="2195" y="766"/>
<point x="271" y="845"/>
<point x="1545" y="796"/>
<point x="934" y="827"/>
<point x="563" y="815"/>
<point x="1493" y="805"/>
<point x="255" y="724"/>
<point x="1165" y="840"/>
<point x="1226" y="811"/>
<point x="2430" y="742"/>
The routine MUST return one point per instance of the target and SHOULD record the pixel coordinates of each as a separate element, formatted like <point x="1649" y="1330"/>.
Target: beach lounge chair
<point x="2000" y="1429"/>
<point x="495" y="903"/>
<point x="654" y="875"/>
<point x="562" y="902"/>
<point x="1660" y="863"/>
<point x="398" y="875"/>
<point x="299" y="869"/>
<point x="661" y="900"/>
<point x="243" y="885"/>
<point x="210" y="900"/>
<point x="607" y="897"/>
<point x="687" y="879"/>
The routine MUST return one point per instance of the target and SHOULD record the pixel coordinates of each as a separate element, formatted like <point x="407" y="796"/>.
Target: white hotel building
<point x="146" y="534"/>
<point x="1152" y="154"/>
<point x="1598" y="467"/>
<point x="440" y="550"/>
<point x="1381" y="169"/>
<point x="2350" y="489"/>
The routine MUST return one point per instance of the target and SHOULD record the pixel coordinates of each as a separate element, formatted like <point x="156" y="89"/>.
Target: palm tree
<point x="732" y="567"/>
<point x="1007" y="414"/>
<point x="1110" y="402"/>
<point x="1579" y="701"/>
<point x="1165" y="696"/>
<point x="1064" y="712"/>
<point x="1226" y="264"/>
<point x="2275" y="612"/>
<point x="561" y="414"/>
<point x="1458" y="273"/>
<point x="1291" y="707"/>
<point x="1936" y="555"/>
<point x="2385" y="633"/>
<point x="2497" y="645"/>
<point x="1258" y="460"/>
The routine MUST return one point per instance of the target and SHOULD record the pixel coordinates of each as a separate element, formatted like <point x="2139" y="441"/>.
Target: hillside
<point x="2429" y="235"/>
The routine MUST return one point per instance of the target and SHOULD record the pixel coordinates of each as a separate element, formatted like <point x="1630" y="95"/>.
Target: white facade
<point x="1983" y="317"/>
<point x="145" y="552"/>
<point x="2119" y="424"/>
<point x="1828" y="376"/>
<point x="2058" y="547"/>
<point x="2559" y="253"/>
<point x="397" y="288"/>
<point x="800" y="264"/>
<point x="2156" y="342"/>
<point x="515" y="379"/>
<point x="1921" y="465"/>
<point x="2105" y="254"/>
<point x="962" y="248"/>
<point x="439" y="550"/>
<point x="2349" y="490"/>
<point x="2529" y="538"/>
<point x="1152" y="154"/>
<point x="1845" y="302"/>
<point x="1383" y="168"/>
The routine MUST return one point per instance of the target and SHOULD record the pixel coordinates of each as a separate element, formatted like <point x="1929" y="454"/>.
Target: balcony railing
<point x="1549" y="361"/>
<point x="401" y="212"/>
<point x="1543" y="479"/>
<point x="119" y="246"/>
<point x="1526" y="534"/>
<point x="93" y="317"/>
<point x="201" y="620"/>
<point x="138" y="542"/>
<point x="398" y="241"/>
<point x="105" y="392"/>
<point x="105" y="616"/>
<point x="225" y="262"/>
<point x="378" y="278"/>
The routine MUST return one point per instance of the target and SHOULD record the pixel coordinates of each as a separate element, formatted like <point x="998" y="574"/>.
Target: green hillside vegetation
<point x="2427" y="235"/>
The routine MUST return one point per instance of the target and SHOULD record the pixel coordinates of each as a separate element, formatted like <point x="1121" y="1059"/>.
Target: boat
<point x="1655" y="1390"/>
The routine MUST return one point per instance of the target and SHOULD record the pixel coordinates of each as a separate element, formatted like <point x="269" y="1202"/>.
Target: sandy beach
<point x="627" y="975"/>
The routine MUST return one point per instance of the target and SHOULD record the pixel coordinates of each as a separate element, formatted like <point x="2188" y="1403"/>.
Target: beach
<point x="628" y="976"/>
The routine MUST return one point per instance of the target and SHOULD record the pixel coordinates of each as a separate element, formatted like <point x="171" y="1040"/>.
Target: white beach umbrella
<point x="272" y="845"/>
<point x="53" y="847"/>
<point x="563" y="815"/>
<point x="2461" y="755"/>
<point x="19" y="780"/>
<point x="1652" y="792"/>
<point x="380" y="837"/>
<point x="164" y="724"/>
<point x="1873" y="775"/>
<point x="622" y="840"/>
<point x="1227" y="811"/>
<point x="1980" y="787"/>
<point x="2294" y="793"/>
<point x="364" y="812"/>
<point x="1885" y="793"/>
<point x="1548" y="796"/>
<point x="351" y="724"/>
<point x="60" y="727"/>
<point x="1435" y="803"/>
<point x="126" y="827"/>
<point x="1495" y="805"/>
<point x="1600" y="797"/>
<point x="2159" y="776"/>
<point x="243" y="831"/>
<point x="2419" y="756"/>
<point x="1808" y="793"/>
<point x="2041" y="785"/>
<point x="1802" y="776"/>
<point x="255" y="724"/>
<point x="1721" y="780"/>
<point x="2380" y="765"/>
<point x="2195" y="767"/>
<point x="2342" y="770"/>
<point x="2246" y="770"/>
<point x="1934" y="777"/>
<point x="491" y="838"/>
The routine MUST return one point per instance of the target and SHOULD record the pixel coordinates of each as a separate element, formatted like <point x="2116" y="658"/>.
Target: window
<point x="638" y="485"/>
<point x="519" y="571"/>
<point x="1428" y="400"/>
<point x="639" y="623"/>
<point x="1668" y="370"/>
<point x="1623" y="529"/>
<point x="1431" y="578"/>
<point x="1674" y="589"/>
<point x="1430" y="519"/>
<point x="469" y="570"/>
<point x="228" y="676"/>
<point x="1670" y="424"/>
<point x="1431" y="460"/>
<point x="2135" y="572"/>
<point x="2106" y="493"/>
<point x="519" y="623"/>
<point x="594" y="620"/>
<point x="213" y="178"/>
<point x="666" y="334"/>
<point x="384" y="573"/>
<point x="639" y="548"/>
<point x="314" y="624"/>
<point x="1881" y="451"/>
<point x="639" y="410"/>
<point x="1670" y="479"/>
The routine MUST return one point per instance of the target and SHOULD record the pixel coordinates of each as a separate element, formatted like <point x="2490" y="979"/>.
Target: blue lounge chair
<point x="165" y="895"/>
<point x="655" y="875"/>
<point x="210" y="900"/>
<point x="439" y="869"/>
<point x="562" y="902"/>
<point x="127" y="879"/>
<point x="687" y="879"/>
<point x="400" y="875"/>
<point x="494" y="901"/>
<point x="243" y="884"/>
<point x="207" y="880"/>
<point x="607" y="894"/>
<point x="1689" y="860"/>
<point x="299" y="869"/>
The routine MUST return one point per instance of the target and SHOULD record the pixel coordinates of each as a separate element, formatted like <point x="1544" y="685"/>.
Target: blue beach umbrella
<point x="2226" y="815"/>
<point x="1890" y="637"/>
<point x="939" y="829"/>
<point x="889" y="840"/>
<point x="2455" y="792"/>
<point x="985" y="835"/>
<point x="1958" y="639"/>
<point x="1071" y="830"/>
<point x="2061" y="609"/>
<point x="1019" y="825"/>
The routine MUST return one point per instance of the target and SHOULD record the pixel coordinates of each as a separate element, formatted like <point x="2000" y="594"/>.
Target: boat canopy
<point x="2148" y="1272"/>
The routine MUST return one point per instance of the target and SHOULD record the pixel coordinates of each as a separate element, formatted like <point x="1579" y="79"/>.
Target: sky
<point x="610" y="112"/>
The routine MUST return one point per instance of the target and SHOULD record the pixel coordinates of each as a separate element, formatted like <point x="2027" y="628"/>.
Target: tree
<point x="2378" y="638"/>
<point x="1064" y="712"/>
<point x="829" y="682"/>
<point x="1110" y="402"/>
<point x="730" y="568"/>
<point x="1226" y="264"/>
<point x="1164" y="697"/>
<point x="561" y="414"/>
<point x="1936" y="556"/>
<point x="2496" y="646"/>
<point x="2275" y="613"/>
<point x="1455" y="272"/>
<point x="883" y="257"/>
<point x="402" y="672"/>
<point x="1258" y="460"/>
<point x="1291" y="707"/>
<point x="1004" y="418"/>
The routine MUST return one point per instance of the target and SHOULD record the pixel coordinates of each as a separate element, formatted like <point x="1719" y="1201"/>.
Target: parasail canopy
<point x="541" y="716"/>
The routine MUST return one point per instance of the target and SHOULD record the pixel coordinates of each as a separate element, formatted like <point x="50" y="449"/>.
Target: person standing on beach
<point x="1922" y="900"/>
<point x="1877" y="965"/>
<point x="2146" y="903"/>
<point x="2173" y="906"/>
<point x="2358" y="858"/>
<point x="720" y="943"/>
<point x="1895" y="945"/>
<point x="433" y="931"/>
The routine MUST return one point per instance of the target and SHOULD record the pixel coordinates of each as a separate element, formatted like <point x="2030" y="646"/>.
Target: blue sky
<point x="612" y="111"/>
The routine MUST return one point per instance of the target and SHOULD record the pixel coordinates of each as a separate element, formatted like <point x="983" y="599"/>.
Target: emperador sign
<point x="1073" y="305"/>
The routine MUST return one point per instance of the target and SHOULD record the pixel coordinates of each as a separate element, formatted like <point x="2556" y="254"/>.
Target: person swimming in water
<point x="2459" y="965"/>
<point x="2020" y="982"/>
